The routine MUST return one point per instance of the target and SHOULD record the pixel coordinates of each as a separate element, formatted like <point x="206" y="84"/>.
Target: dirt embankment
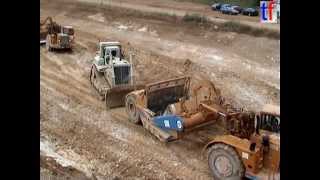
<point x="104" y="142"/>
<point x="230" y="60"/>
<point x="183" y="8"/>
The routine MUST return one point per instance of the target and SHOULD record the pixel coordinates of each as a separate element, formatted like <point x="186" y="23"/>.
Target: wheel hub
<point x="223" y="166"/>
<point x="131" y="107"/>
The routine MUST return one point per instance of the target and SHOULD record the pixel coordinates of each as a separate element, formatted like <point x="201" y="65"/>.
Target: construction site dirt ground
<point x="79" y="138"/>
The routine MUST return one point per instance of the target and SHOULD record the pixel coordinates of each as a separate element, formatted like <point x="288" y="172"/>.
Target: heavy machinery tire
<point x="48" y="46"/>
<point x="131" y="109"/>
<point x="48" y="43"/>
<point x="225" y="163"/>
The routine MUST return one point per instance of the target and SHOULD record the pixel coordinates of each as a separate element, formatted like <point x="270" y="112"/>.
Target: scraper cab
<point x="256" y="156"/>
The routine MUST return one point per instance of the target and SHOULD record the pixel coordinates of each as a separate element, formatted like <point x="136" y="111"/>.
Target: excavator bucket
<point x="43" y="36"/>
<point x="47" y="26"/>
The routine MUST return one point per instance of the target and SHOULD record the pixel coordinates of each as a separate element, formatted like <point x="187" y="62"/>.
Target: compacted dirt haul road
<point x="81" y="139"/>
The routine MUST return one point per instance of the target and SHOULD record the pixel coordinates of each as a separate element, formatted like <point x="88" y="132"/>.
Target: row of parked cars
<point x="234" y="10"/>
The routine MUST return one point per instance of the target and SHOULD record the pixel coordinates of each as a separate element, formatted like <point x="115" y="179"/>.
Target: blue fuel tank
<point x="169" y="122"/>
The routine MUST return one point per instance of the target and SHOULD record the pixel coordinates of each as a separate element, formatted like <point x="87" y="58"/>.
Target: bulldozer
<point x="56" y="36"/>
<point x="170" y="109"/>
<point x="111" y="75"/>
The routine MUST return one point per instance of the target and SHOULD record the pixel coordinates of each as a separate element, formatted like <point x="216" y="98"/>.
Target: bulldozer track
<point x="93" y="72"/>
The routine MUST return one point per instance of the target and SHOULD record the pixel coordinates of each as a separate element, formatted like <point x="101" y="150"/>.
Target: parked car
<point x="229" y="10"/>
<point x="225" y="5"/>
<point x="250" y="12"/>
<point x="216" y="6"/>
<point x="238" y="8"/>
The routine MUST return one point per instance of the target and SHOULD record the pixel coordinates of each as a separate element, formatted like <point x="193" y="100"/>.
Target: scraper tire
<point x="225" y="163"/>
<point x="131" y="109"/>
<point x="48" y="47"/>
<point x="48" y="43"/>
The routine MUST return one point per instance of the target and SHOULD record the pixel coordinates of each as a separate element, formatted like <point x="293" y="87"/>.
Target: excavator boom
<point x="48" y="28"/>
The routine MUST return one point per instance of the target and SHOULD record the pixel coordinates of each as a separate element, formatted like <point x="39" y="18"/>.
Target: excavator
<point x="55" y="36"/>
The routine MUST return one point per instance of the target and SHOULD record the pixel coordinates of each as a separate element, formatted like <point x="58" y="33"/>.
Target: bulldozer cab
<point x="107" y="56"/>
<point x="113" y="47"/>
<point x="109" y="53"/>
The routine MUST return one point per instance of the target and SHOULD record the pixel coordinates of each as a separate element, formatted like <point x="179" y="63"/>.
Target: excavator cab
<point x="68" y="30"/>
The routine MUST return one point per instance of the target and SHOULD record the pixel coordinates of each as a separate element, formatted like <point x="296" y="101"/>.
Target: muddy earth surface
<point x="81" y="140"/>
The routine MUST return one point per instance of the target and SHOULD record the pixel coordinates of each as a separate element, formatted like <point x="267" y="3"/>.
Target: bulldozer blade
<point x="116" y="97"/>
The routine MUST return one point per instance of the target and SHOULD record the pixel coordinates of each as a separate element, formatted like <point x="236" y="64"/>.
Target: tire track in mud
<point x="187" y="151"/>
<point x="55" y="83"/>
<point x="71" y="113"/>
<point x="65" y="79"/>
<point x="226" y="67"/>
<point x="61" y="80"/>
<point x="85" y="122"/>
<point x="80" y="81"/>
<point x="248" y="77"/>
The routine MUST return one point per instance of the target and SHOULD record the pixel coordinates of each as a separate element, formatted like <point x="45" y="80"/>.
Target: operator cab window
<point x="107" y="56"/>
<point x="68" y="30"/>
<point x="103" y="51"/>
<point x="115" y="51"/>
